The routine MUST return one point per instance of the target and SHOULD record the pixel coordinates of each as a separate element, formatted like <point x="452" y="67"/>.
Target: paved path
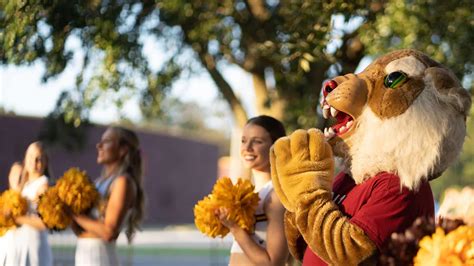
<point x="169" y="246"/>
<point x="177" y="236"/>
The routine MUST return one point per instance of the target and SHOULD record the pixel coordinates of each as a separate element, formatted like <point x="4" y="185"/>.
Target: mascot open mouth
<point x="343" y="121"/>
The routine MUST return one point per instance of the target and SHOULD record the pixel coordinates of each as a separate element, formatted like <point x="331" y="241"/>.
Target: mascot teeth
<point x="326" y="111"/>
<point x="339" y="128"/>
<point x="349" y="124"/>
<point x="343" y="124"/>
<point x="329" y="133"/>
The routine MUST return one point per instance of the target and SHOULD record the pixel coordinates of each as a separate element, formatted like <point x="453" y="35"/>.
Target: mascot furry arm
<point x="305" y="166"/>
<point x="400" y="123"/>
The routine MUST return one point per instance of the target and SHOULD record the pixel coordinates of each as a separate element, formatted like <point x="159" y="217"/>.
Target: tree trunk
<point x="267" y="101"/>
<point x="238" y="111"/>
<point x="236" y="168"/>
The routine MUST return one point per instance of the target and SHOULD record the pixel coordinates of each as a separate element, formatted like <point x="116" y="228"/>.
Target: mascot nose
<point x="329" y="86"/>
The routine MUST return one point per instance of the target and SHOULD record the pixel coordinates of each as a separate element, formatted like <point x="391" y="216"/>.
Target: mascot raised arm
<point x="400" y="123"/>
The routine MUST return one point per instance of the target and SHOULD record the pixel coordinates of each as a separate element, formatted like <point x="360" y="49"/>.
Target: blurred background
<point x="186" y="75"/>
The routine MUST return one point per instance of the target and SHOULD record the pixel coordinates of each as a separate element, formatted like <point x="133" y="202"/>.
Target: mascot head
<point x="404" y="114"/>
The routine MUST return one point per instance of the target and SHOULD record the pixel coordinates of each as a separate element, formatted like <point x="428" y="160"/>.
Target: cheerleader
<point x="121" y="191"/>
<point x="31" y="238"/>
<point x="7" y="241"/>
<point x="267" y="246"/>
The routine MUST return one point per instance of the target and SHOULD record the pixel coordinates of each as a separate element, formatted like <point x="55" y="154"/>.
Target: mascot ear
<point x="446" y="83"/>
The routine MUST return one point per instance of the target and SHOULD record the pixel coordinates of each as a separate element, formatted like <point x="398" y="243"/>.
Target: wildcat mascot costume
<point x="400" y="123"/>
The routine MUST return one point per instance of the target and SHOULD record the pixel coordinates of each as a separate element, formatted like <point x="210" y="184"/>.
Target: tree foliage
<point x="288" y="46"/>
<point x="442" y="29"/>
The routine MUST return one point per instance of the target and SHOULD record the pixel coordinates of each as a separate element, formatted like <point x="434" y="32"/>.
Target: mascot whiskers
<point x="399" y="123"/>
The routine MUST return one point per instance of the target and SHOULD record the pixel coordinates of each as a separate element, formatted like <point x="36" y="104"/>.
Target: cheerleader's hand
<point x="77" y="229"/>
<point x="223" y="215"/>
<point x="68" y="211"/>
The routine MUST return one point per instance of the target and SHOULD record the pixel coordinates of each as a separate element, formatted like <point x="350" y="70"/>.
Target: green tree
<point x="288" y="46"/>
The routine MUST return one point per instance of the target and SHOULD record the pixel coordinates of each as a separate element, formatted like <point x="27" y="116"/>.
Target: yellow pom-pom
<point x="53" y="211"/>
<point x="77" y="191"/>
<point x="240" y="200"/>
<point x="11" y="201"/>
<point x="206" y="221"/>
<point x="223" y="189"/>
<point x="247" y="202"/>
<point x="3" y="230"/>
<point x="455" y="248"/>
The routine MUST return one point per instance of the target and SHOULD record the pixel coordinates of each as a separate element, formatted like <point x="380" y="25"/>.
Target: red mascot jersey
<point x="379" y="206"/>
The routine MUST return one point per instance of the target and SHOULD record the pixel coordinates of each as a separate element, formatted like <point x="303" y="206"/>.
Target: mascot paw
<point x="301" y="162"/>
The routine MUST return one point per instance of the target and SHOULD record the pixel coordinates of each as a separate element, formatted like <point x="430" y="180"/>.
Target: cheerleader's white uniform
<point x="31" y="245"/>
<point x="7" y="248"/>
<point x="95" y="251"/>
<point x="260" y="234"/>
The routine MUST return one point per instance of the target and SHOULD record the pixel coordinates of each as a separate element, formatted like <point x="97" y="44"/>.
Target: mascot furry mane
<point x="404" y="114"/>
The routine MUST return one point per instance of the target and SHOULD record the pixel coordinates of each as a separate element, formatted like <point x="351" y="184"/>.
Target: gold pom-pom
<point x="245" y="204"/>
<point x="223" y="190"/>
<point x="53" y="211"/>
<point x="206" y="221"/>
<point x="455" y="248"/>
<point x="240" y="200"/>
<point x="77" y="191"/>
<point x="3" y="230"/>
<point x="11" y="201"/>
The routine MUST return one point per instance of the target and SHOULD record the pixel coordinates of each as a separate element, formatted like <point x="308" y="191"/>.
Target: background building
<point x="177" y="171"/>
